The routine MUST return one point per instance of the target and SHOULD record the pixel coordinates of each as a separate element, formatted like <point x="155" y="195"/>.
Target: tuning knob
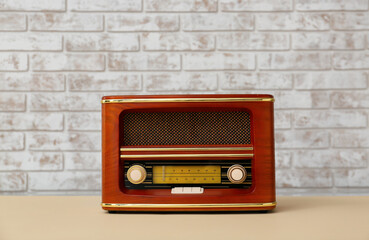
<point x="136" y="174"/>
<point x="236" y="174"/>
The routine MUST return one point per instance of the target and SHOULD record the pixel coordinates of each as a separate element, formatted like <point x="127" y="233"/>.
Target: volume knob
<point x="236" y="174"/>
<point x="136" y="174"/>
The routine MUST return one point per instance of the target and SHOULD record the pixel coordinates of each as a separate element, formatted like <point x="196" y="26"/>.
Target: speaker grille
<point x="186" y="128"/>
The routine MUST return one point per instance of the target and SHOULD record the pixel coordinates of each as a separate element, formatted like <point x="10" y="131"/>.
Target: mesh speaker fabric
<point x="186" y="128"/>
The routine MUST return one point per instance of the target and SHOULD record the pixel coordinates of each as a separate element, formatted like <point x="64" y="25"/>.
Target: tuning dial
<point x="236" y="174"/>
<point x="136" y="174"/>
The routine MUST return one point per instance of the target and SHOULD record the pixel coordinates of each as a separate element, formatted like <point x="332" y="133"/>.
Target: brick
<point x="144" y="61"/>
<point x="31" y="121"/>
<point x="104" y="82"/>
<point x="30" y="42"/>
<point x="48" y="181"/>
<point x="64" y="141"/>
<point x="350" y="21"/>
<point x="331" y="158"/>
<point x="178" y="42"/>
<point x="256" y="5"/>
<point x="65" y="102"/>
<point x="302" y="139"/>
<point x="253" y="41"/>
<point x="102" y="42"/>
<point x="292" y="21"/>
<point x="13" y="22"/>
<point x="328" y="41"/>
<point x="49" y="102"/>
<point x="329" y="119"/>
<point x="13" y="62"/>
<point x="181" y="6"/>
<point x="294" y="61"/>
<point x="181" y="82"/>
<point x="219" y="61"/>
<point x="240" y="80"/>
<point x="282" y="120"/>
<point x="350" y="138"/>
<point x="39" y="5"/>
<point x="282" y="159"/>
<point x="301" y="100"/>
<point x="351" y="60"/>
<point x="65" y="22"/>
<point x="40" y="161"/>
<point x="134" y="23"/>
<point x="106" y="5"/>
<point x="10" y="141"/>
<point x="12" y="102"/>
<point x="351" y="191"/>
<point x="275" y="80"/>
<point x="84" y="121"/>
<point x="331" y="5"/>
<point x="304" y="178"/>
<point x="352" y="178"/>
<point x="216" y="22"/>
<point x="82" y="160"/>
<point x="31" y="82"/>
<point x="331" y="80"/>
<point x="350" y="99"/>
<point x="13" y="182"/>
<point x="67" y="62"/>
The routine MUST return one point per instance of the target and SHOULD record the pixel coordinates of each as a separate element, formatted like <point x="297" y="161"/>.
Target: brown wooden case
<point x="261" y="194"/>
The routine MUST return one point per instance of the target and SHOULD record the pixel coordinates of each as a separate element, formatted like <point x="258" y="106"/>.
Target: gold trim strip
<point x="186" y="155"/>
<point x="143" y="100"/>
<point x="188" y="149"/>
<point x="208" y="205"/>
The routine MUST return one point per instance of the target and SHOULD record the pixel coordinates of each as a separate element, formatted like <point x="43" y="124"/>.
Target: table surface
<point x="81" y="217"/>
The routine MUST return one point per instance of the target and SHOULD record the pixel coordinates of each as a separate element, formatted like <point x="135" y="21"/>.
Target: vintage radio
<point x="188" y="153"/>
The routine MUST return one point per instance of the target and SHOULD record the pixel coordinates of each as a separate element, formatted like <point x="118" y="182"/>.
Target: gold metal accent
<point x="228" y="167"/>
<point x="244" y="183"/>
<point x="225" y="174"/>
<point x="188" y="149"/>
<point x="142" y="100"/>
<point x="206" y="205"/>
<point x="137" y="168"/>
<point x="186" y="155"/>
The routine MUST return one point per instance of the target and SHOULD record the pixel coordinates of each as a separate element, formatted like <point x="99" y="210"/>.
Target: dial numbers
<point x="186" y="174"/>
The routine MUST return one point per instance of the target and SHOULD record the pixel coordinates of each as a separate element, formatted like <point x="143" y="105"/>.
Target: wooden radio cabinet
<point x="188" y="153"/>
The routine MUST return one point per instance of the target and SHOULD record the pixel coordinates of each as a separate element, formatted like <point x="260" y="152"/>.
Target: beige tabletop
<point x="67" y="217"/>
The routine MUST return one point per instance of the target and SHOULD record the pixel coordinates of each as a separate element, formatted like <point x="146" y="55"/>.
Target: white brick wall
<point x="58" y="58"/>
